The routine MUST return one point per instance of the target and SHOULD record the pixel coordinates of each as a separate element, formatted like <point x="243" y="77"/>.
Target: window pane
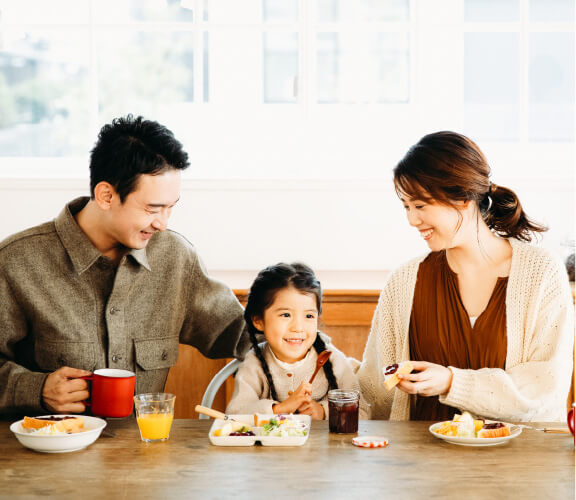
<point x="280" y="67"/>
<point x="143" y="73"/>
<point x="552" y="10"/>
<point x="551" y="86"/>
<point x="38" y="12"/>
<point x="491" y="85"/>
<point x="234" y="11"/>
<point x="362" y="67"/>
<point x="44" y="93"/>
<point x="478" y="11"/>
<point x="127" y="11"/>
<point x="280" y="11"/>
<point x="331" y="11"/>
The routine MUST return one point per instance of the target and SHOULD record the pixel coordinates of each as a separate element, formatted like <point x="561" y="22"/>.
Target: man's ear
<point x="103" y="194"/>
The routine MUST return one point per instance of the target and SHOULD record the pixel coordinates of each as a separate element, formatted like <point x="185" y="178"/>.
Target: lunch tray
<point x="251" y="440"/>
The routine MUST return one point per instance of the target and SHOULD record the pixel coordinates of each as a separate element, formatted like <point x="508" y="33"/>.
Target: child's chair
<point x="216" y="382"/>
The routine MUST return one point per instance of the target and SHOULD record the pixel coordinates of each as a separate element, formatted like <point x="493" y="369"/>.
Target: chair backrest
<point x="216" y="382"/>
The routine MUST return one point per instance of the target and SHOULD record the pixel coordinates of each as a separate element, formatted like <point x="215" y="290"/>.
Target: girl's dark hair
<point x="262" y="294"/>
<point x="447" y="167"/>
<point x="130" y="147"/>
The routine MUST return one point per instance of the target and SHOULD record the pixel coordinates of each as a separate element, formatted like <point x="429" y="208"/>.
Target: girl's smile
<point x="290" y="324"/>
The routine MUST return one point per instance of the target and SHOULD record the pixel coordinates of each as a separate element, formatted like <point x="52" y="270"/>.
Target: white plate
<point x="60" y="443"/>
<point x="251" y="440"/>
<point x="515" y="431"/>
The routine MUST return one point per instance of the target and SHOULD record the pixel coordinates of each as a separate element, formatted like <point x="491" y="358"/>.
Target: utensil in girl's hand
<point x="217" y="414"/>
<point x="320" y="362"/>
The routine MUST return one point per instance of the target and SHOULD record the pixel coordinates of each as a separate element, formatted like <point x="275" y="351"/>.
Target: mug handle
<point x="87" y="402"/>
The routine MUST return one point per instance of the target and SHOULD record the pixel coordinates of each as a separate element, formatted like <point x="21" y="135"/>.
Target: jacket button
<point x="112" y="310"/>
<point x="164" y="355"/>
<point x="115" y="358"/>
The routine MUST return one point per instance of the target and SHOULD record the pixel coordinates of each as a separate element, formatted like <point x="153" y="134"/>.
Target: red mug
<point x="112" y="393"/>
<point x="571" y="421"/>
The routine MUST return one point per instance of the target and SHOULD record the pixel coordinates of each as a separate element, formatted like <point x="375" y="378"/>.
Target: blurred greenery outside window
<point x="262" y="77"/>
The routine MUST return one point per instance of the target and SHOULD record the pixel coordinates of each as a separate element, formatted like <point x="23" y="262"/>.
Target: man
<point x="105" y="285"/>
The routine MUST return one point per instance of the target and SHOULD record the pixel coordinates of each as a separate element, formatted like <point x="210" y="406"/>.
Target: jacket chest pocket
<point x="158" y="353"/>
<point x="50" y="356"/>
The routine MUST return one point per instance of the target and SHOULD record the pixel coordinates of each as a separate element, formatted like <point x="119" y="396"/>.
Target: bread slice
<point x="391" y="379"/>
<point x="62" y="424"/>
<point x="494" y="431"/>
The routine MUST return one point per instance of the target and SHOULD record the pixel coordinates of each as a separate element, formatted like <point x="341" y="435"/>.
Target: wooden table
<point x="415" y="465"/>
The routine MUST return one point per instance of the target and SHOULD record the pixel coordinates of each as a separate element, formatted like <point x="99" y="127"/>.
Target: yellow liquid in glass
<point x="155" y="425"/>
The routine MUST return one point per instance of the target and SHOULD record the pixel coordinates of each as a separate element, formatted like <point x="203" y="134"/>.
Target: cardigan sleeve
<point x="249" y="387"/>
<point x="536" y="388"/>
<point x="380" y="351"/>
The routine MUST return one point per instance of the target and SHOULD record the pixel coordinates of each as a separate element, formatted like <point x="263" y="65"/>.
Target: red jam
<point x="495" y="425"/>
<point x="391" y="369"/>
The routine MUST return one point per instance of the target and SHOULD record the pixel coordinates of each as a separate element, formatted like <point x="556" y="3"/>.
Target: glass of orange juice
<point x="154" y="414"/>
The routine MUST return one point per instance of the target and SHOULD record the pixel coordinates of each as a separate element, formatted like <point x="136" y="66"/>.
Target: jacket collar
<point x="79" y="248"/>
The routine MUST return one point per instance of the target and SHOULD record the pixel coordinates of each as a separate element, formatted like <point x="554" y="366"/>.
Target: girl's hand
<point x="312" y="408"/>
<point x="431" y="379"/>
<point x="300" y="396"/>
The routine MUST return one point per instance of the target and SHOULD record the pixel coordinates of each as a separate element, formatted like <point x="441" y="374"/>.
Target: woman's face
<point x="441" y="226"/>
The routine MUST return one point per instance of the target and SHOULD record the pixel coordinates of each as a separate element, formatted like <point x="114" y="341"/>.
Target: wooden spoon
<point x="320" y="362"/>
<point x="217" y="414"/>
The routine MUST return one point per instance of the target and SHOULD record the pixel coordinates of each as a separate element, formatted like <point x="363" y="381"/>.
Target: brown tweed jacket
<point x="63" y="303"/>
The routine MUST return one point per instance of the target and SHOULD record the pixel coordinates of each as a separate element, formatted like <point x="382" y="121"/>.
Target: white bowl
<point x="62" y="443"/>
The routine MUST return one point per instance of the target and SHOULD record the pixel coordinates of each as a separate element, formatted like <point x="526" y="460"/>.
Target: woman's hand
<point x="300" y="396"/>
<point x="312" y="408"/>
<point x="431" y="379"/>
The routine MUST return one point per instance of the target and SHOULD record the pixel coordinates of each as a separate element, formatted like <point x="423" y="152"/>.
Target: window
<point x="288" y="88"/>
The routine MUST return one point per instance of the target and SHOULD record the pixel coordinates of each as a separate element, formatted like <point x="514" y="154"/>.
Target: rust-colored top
<point x="441" y="331"/>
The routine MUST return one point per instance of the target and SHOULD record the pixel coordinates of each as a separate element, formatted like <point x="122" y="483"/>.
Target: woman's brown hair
<point x="448" y="167"/>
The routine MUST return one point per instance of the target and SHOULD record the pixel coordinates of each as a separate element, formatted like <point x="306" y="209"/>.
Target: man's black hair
<point x="130" y="147"/>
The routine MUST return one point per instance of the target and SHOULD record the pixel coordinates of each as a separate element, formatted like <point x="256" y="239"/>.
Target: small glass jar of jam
<point x="343" y="409"/>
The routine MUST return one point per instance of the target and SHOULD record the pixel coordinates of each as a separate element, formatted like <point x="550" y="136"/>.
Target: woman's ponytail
<point x="503" y="213"/>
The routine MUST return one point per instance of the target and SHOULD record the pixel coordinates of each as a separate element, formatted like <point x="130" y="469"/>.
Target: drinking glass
<point x="154" y="414"/>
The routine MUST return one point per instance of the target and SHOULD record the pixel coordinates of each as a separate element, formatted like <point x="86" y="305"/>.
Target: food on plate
<point x="494" y="430"/>
<point x="260" y="421"/>
<point x="234" y="429"/>
<point x="466" y="426"/>
<point x="53" y="425"/>
<point x="391" y="373"/>
<point x="284" y="426"/>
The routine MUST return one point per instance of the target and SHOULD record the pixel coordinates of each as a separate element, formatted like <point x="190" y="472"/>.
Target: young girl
<point x="486" y="319"/>
<point x="284" y="303"/>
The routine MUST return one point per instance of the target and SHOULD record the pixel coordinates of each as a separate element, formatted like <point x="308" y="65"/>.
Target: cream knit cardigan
<point x="540" y="335"/>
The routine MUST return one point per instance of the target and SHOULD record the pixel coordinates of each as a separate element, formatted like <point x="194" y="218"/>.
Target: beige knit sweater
<point x="252" y="393"/>
<point x="540" y="335"/>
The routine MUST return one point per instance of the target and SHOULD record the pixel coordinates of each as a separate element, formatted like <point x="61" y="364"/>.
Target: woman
<point x="486" y="319"/>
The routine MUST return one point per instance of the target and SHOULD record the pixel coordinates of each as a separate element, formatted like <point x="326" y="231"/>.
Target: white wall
<point x="354" y="226"/>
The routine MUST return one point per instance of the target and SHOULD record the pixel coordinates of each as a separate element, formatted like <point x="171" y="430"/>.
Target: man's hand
<point x="312" y="408"/>
<point x="431" y="379"/>
<point x="64" y="392"/>
<point x="300" y="396"/>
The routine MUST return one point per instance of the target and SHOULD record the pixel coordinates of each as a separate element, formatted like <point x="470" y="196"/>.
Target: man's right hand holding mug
<point x="64" y="391"/>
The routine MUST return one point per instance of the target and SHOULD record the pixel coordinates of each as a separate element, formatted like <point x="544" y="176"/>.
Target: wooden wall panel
<point x="346" y="318"/>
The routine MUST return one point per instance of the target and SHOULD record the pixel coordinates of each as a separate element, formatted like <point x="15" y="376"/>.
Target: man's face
<point x="145" y="210"/>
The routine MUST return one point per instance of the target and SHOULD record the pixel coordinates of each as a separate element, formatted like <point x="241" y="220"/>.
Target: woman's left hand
<point x="430" y="379"/>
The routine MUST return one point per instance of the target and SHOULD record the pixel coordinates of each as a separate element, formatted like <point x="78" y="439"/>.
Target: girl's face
<point x="290" y="324"/>
<point x="441" y="226"/>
